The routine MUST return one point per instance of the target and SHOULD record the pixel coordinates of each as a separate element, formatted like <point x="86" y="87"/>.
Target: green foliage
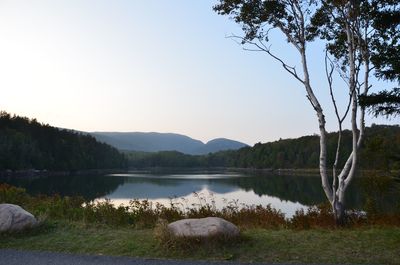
<point x="258" y="16"/>
<point x="145" y="214"/>
<point x="379" y="187"/>
<point x="304" y="152"/>
<point x="163" y="159"/>
<point x="27" y="144"/>
<point x="11" y="194"/>
<point x="385" y="103"/>
<point x="321" y="216"/>
<point x="104" y="212"/>
<point x="381" y="150"/>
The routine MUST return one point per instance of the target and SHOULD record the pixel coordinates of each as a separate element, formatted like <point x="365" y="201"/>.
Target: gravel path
<point x="22" y="257"/>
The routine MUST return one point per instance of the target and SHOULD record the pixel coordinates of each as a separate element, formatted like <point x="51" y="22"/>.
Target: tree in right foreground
<point x="354" y="34"/>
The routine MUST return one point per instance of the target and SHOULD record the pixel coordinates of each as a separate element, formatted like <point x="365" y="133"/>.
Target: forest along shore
<point x="33" y="173"/>
<point x="310" y="172"/>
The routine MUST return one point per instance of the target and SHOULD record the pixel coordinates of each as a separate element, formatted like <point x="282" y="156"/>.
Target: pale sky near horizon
<point x="150" y="65"/>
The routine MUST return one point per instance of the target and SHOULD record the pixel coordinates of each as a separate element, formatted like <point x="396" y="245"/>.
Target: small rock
<point x="203" y="227"/>
<point x="14" y="218"/>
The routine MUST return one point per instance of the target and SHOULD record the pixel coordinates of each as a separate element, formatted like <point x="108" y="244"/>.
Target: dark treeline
<point x="174" y="159"/>
<point x="381" y="150"/>
<point x="28" y="144"/>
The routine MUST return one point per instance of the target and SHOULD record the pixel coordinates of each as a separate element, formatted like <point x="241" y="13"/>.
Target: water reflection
<point x="287" y="193"/>
<point x="89" y="186"/>
<point x="301" y="189"/>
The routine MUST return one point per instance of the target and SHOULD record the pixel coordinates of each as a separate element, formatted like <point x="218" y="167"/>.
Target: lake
<point x="287" y="193"/>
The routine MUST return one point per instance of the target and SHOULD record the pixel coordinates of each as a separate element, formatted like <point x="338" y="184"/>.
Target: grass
<point x="356" y="246"/>
<point x="83" y="239"/>
<point x="364" y="246"/>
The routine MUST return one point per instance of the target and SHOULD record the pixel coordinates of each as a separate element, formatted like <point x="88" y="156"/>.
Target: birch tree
<point x="347" y="28"/>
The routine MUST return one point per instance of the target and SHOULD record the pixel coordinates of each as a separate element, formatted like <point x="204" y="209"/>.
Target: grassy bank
<point x="71" y="224"/>
<point x="145" y="214"/>
<point x="356" y="246"/>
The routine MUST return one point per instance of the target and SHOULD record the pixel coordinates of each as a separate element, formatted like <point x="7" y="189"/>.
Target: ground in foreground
<point x="366" y="245"/>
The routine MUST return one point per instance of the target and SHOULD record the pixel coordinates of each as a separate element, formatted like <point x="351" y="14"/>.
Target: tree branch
<point x="261" y="47"/>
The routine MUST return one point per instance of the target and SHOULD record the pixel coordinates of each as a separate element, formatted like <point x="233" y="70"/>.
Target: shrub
<point x="145" y="214"/>
<point x="321" y="216"/>
<point x="104" y="212"/>
<point x="13" y="195"/>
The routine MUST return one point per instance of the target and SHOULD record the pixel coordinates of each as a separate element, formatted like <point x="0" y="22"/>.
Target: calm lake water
<point x="287" y="193"/>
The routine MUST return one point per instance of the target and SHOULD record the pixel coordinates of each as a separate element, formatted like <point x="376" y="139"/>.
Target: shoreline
<point x="33" y="173"/>
<point x="311" y="172"/>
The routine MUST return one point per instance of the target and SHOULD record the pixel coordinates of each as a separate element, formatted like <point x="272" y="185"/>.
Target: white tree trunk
<point x="321" y="122"/>
<point x="349" y="169"/>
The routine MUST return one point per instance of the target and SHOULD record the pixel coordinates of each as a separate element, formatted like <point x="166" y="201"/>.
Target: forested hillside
<point x="381" y="150"/>
<point x="28" y="144"/>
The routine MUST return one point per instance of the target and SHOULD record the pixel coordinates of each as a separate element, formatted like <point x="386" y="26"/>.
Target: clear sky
<point x="150" y="65"/>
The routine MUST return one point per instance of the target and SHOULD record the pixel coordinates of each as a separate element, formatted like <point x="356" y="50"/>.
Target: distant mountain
<point x="380" y="151"/>
<point x="155" y="142"/>
<point x="219" y="144"/>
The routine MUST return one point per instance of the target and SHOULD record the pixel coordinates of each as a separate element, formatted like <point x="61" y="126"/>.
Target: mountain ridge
<point x="156" y="141"/>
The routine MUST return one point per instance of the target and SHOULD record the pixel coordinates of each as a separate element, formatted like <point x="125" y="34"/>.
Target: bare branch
<point x="330" y="82"/>
<point x="330" y="79"/>
<point x="347" y="109"/>
<point x="262" y="47"/>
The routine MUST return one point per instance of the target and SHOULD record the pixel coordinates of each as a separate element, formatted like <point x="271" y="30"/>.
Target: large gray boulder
<point x="204" y="227"/>
<point x="14" y="218"/>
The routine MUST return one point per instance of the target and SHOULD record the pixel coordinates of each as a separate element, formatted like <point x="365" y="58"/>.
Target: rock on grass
<point x="14" y="218"/>
<point x="203" y="227"/>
